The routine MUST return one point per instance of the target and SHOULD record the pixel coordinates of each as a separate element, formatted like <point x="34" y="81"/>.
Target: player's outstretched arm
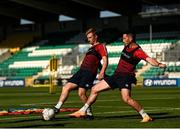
<point x="154" y="62"/>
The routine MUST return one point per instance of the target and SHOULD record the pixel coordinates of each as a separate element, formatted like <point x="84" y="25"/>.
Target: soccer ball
<point x="48" y="114"/>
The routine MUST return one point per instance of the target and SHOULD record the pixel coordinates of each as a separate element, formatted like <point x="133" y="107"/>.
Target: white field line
<point x="128" y="107"/>
<point x="115" y="112"/>
<point x="74" y="106"/>
<point x="148" y="110"/>
<point x="32" y="104"/>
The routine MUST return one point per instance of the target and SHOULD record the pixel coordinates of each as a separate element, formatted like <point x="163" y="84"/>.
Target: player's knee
<point x="83" y="98"/>
<point x="81" y="94"/>
<point x="94" y="90"/>
<point x="126" y="99"/>
<point x="67" y="88"/>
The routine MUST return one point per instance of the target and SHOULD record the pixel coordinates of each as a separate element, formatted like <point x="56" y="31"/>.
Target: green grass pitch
<point x="162" y="104"/>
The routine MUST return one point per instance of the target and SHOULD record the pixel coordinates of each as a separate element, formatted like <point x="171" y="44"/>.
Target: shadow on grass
<point x="38" y="122"/>
<point x="42" y="125"/>
<point x="162" y="115"/>
<point x="65" y="121"/>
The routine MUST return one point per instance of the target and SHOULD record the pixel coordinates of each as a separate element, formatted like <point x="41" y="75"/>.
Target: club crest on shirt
<point x="124" y="54"/>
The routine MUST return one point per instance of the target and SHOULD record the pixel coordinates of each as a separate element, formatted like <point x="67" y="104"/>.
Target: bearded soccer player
<point x="83" y="79"/>
<point x="123" y="77"/>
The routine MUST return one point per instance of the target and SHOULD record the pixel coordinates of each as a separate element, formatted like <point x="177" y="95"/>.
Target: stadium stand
<point x="106" y="35"/>
<point x="79" y="38"/>
<point x="57" y="38"/>
<point x="33" y="60"/>
<point x="17" y="41"/>
<point x="159" y="35"/>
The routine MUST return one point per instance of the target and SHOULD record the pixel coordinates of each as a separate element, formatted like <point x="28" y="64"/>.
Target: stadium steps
<point x="173" y="53"/>
<point x="143" y="69"/>
<point x="173" y="74"/>
<point x="153" y="72"/>
<point x="4" y="56"/>
<point x="38" y="75"/>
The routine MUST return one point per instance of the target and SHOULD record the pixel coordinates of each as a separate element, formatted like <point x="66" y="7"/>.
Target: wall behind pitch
<point x="161" y="82"/>
<point x="12" y="83"/>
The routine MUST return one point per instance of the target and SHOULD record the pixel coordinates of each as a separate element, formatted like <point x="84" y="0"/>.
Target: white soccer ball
<point x="48" y="114"/>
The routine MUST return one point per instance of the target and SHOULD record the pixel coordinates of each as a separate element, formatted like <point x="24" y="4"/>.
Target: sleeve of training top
<point x="102" y="50"/>
<point x="140" y="54"/>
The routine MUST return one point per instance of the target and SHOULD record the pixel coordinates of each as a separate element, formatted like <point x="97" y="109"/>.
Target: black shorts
<point x="83" y="78"/>
<point x="121" y="81"/>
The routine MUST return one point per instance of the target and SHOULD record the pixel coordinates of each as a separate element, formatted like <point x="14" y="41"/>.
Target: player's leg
<point x="101" y="86"/>
<point x="64" y="95"/>
<point x="126" y="97"/>
<point x="83" y="96"/>
<point x="72" y="84"/>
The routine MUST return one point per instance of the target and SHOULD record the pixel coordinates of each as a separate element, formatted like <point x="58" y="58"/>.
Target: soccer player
<point x="83" y="79"/>
<point x="123" y="77"/>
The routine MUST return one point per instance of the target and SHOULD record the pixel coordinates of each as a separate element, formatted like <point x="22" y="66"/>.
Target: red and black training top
<point x="130" y="57"/>
<point x="93" y="57"/>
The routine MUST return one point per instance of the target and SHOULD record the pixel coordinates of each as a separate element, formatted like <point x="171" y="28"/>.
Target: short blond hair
<point x="91" y="30"/>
